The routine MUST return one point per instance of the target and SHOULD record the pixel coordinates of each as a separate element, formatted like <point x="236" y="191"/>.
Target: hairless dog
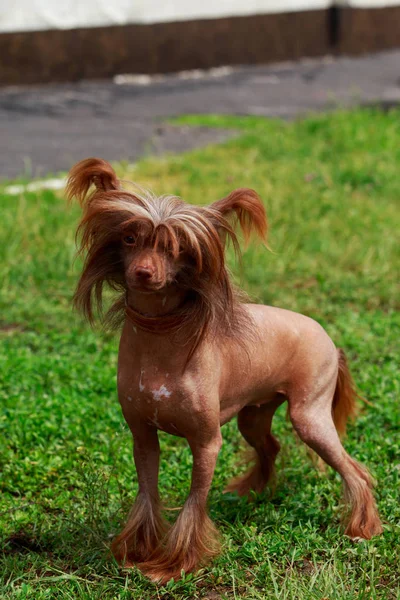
<point x="193" y="354"/>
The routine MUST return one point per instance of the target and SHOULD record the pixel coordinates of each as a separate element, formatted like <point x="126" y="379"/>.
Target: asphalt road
<point x="45" y="129"/>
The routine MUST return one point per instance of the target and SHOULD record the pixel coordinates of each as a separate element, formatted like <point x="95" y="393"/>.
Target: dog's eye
<point x="129" y="240"/>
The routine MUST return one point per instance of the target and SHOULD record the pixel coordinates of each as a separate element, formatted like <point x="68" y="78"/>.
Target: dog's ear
<point x="245" y="206"/>
<point x="90" y="171"/>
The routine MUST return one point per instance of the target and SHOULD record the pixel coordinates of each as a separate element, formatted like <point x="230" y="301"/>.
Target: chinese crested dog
<point x="193" y="355"/>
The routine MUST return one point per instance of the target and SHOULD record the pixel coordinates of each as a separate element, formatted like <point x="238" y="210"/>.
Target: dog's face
<point x="150" y="268"/>
<point x="171" y="252"/>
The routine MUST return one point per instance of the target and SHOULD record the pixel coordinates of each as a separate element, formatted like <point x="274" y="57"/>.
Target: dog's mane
<point x="213" y="305"/>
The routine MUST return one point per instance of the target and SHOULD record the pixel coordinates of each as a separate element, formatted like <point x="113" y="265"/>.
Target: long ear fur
<point x="246" y="207"/>
<point x="90" y="171"/>
<point x="96" y="233"/>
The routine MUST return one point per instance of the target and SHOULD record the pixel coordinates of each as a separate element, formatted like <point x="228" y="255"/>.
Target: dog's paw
<point x="161" y="572"/>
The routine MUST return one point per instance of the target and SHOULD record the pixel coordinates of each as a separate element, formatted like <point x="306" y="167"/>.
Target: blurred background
<point x="47" y="41"/>
<point x="93" y="64"/>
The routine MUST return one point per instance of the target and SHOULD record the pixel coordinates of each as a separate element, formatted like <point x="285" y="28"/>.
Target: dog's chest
<point x="151" y="394"/>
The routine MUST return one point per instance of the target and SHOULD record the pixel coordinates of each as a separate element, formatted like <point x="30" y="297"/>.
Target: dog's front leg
<point x="194" y="538"/>
<point x="140" y="538"/>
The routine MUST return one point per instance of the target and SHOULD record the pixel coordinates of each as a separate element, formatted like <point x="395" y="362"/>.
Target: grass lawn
<point x="331" y="186"/>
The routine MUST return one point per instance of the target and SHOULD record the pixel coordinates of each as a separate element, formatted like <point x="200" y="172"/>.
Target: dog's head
<point x="149" y="245"/>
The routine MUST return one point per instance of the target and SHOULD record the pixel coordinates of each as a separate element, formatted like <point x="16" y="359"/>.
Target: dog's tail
<point x="344" y="406"/>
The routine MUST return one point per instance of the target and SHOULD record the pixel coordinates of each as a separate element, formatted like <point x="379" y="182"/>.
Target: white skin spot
<point x="166" y="374"/>
<point x="155" y="418"/>
<point x="164" y="300"/>
<point x="141" y="386"/>
<point x="129" y="398"/>
<point x="134" y="329"/>
<point x="162" y="392"/>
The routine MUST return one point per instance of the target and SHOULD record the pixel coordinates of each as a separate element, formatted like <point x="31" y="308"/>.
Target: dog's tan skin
<point x="164" y="385"/>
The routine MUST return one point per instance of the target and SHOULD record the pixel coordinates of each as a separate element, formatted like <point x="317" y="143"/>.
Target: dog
<point x="193" y="354"/>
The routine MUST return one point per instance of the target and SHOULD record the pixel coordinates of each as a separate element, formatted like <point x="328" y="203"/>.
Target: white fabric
<point x="35" y="15"/>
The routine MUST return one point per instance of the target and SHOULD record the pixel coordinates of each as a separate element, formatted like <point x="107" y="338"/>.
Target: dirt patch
<point x="20" y="543"/>
<point x="9" y="328"/>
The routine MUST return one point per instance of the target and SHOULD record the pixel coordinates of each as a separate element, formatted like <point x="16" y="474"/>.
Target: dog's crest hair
<point x="108" y="211"/>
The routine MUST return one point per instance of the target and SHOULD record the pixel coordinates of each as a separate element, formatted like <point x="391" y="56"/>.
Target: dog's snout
<point x="144" y="273"/>
<point x="146" y="270"/>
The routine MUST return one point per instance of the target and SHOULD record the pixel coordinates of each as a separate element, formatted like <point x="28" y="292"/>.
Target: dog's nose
<point x="144" y="273"/>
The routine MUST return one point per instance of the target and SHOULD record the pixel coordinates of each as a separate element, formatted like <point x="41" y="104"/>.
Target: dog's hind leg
<point x="313" y="421"/>
<point x="254" y="424"/>
<point x="145" y="527"/>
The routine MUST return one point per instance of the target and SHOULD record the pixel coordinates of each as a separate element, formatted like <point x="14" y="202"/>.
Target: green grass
<point x="331" y="187"/>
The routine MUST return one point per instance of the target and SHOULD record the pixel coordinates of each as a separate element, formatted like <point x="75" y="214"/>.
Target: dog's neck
<point x="155" y="304"/>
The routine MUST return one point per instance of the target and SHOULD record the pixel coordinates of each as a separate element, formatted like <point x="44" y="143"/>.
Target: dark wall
<point x="50" y="56"/>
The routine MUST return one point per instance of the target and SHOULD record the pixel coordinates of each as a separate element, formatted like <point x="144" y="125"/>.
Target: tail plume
<point x="344" y="405"/>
